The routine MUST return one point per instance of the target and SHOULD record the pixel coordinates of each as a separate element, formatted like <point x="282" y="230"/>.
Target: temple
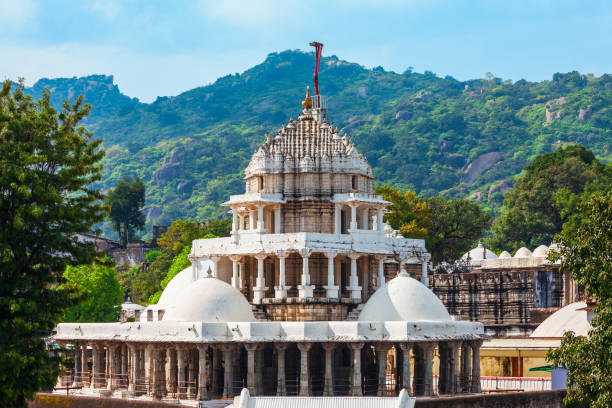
<point x="312" y="294"/>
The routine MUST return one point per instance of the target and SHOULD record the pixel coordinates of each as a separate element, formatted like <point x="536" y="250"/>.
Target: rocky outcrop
<point x="402" y="115"/>
<point x="172" y="166"/>
<point x="362" y="92"/>
<point x="584" y="113"/>
<point x="502" y="187"/>
<point x="476" y="196"/>
<point x="185" y="187"/>
<point x="552" y="109"/>
<point x="481" y="164"/>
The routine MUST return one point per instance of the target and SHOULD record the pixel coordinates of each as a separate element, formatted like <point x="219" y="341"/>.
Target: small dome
<point x="541" y="251"/>
<point x="505" y="255"/>
<point x="572" y="317"/>
<point x="479" y="253"/>
<point x="179" y="284"/>
<point x="404" y="299"/>
<point x="523" y="253"/>
<point x="210" y="300"/>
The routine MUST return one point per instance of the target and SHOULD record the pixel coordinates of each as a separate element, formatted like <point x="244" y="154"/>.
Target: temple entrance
<point x="316" y="369"/>
<point x="341" y="370"/>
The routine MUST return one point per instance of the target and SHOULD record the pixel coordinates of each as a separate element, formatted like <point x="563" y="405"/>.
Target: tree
<point x="449" y="226"/>
<point x="407" y="212"/>
<point x="585" y="252"/>
<point x="48" y="164"/>
<point x="532" y="214"/>
<point x="100" y="290"/>
<point x="126" y="201"/>
<point x="455" y="225"/>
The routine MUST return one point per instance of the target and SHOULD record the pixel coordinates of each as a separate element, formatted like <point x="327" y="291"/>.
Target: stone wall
<point x="502" y="297"/>
<point x="530" y="399"/>
<point x="323" y="309"/>
<point x="47" y="400"/>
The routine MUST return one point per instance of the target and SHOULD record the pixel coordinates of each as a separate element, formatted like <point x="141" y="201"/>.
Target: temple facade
<point x="312" y="294"/>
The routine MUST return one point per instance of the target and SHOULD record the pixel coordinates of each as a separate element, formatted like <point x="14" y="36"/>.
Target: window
<point x="260" y="183"/>
<point x="354" y="182"/>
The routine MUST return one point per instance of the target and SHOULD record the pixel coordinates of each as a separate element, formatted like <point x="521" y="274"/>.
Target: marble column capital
<point x="305" y="252"/>
<point x="251" y="346"/>
<point x="235" y="258"/>
<point x="354" y="255"/>
<point x="261" y="256"/>
<point x="303" y="347"/>
<point x="406" y="347"/>
<point x="356" y="346"/>
<point x="384" y="347"/>
<point x="281" y="346"/>
<point x="329" y="346"/>
<point x="281" y="254"/>
<point x="380" y="257"/>
<point x="475" y="343"/>
<point x="331" y="254"/>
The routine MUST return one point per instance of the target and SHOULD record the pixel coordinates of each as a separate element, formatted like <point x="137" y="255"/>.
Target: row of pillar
<point x="255" y="224"/>
<point x="159" y="370"/>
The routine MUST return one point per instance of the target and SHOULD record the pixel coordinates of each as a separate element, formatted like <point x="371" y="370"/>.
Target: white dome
<point x="523" y="253"/>
<point x="479" y="253"/>
<point x="505" y="255"/>
<point x="179" y="284"/>
<point x="563" y="320"/>
<point x="541" y="251"/>
<point x="404" y="299"/>
<point x="210" y="300"/>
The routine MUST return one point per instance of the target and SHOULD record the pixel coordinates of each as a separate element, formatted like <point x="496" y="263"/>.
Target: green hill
<point x="419" y="131"/>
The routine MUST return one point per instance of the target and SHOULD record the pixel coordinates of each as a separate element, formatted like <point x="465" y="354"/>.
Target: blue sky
<point x="166" y="47"/>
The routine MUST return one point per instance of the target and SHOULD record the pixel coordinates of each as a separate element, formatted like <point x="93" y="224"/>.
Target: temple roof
<point x="308" y="143"/>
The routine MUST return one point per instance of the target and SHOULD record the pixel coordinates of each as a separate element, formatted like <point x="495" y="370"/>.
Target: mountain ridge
<point x="419" y="131"/>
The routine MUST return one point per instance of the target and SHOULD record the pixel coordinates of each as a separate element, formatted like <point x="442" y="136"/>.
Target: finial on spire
<point x="307" y="102"/>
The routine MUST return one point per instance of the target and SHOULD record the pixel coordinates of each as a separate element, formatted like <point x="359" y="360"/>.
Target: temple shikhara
<point x="311" y="295"/>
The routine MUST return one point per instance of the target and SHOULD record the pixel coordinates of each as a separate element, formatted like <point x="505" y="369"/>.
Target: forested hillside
<point x="419" y="131"/>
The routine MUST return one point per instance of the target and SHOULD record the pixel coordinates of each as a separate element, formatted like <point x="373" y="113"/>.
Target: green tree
<point x="585" y="252"/>
<point x="532" y="213"/>
<point x="454" y="226"/>
<point x="48" y="164"/>
<point x="100" y="290"/>
<point x="126" y="202"/>
<point x="449" y="226"/>
<point x="408" y="212"/>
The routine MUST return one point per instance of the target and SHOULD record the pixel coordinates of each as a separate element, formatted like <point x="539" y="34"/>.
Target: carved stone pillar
<point x="354" y="287"/>
<point x="382" y="350"/>
<point x="84" y="367"/>
<point x="251" y="348"/>
<point x="476" y="366"/>
<point x="260" y="218"/>
<point x="356" y="369"/>
<point x="305" y="289"/>
<point x="181" y="363"/>
<point x="259" y="291"/>
<point x="331" y="289"/>
<point x="328" y="388"/>
<point x="76" y="380"/>
<point x="235" y="263"/>
<point x="134" y="371"/>
<point x="353" y="216"/>
<point x="277" y="219"/>
<point x="453" y="349"/>
<point x="406" y="367"/>
<point x="466" y="366"/>
<point x="304" y="374"/>
<point x="95" y="365"/>
<point x="227" y="372"/>
<point x="338" y="219"/>
<point x="428" y="354"/>
<point x="202" y="383"/>
<point x="280" y="291"/>
<point x="281" y="387"/>
<point x="170" y="367"/>
<point x="424" y="271"/>
<point x="251" y="219"/>
<point x="380" y="277"/>
<point x="379" y="219"/>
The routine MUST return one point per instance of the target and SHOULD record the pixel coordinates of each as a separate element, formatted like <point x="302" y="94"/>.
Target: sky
<point x="162" y="47"/>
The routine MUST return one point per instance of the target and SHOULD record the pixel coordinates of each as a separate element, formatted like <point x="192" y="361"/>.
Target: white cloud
<point x="15" y="13"/>
<point x="137" y="74"/>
